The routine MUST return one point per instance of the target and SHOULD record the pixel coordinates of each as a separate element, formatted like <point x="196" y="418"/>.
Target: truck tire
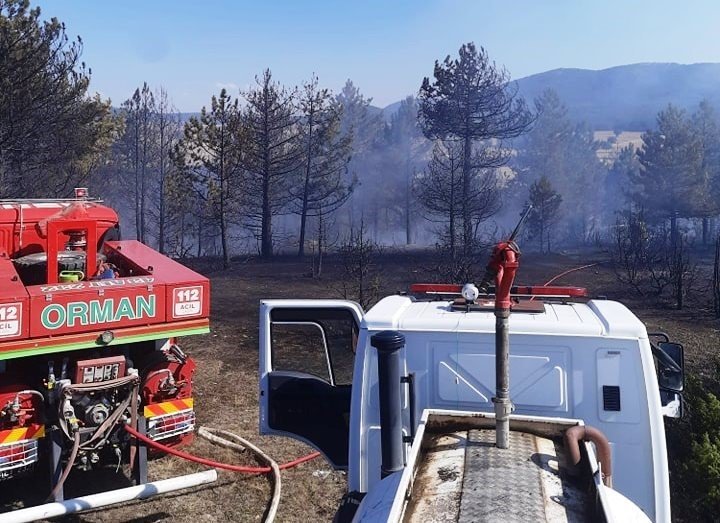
<point x="32" y="268"/>
<point x="348" y="507"/>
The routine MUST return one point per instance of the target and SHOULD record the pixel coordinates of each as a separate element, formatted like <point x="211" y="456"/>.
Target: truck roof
<point x="594" y="318"/>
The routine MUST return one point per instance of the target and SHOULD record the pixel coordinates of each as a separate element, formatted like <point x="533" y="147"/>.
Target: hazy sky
<point x="194" y="48"/>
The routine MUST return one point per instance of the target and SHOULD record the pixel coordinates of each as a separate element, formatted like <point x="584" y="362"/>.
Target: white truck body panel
<point x="560" y="360"/>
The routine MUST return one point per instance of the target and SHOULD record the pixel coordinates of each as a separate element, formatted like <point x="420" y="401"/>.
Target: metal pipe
<point x="388" y="345"/>
<point x="111" y="497"/>
<point x="573" y="437"/>
<point x="503" y="405"/>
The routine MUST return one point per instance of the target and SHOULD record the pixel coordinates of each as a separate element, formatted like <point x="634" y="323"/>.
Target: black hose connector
<point x="388" y="345"/>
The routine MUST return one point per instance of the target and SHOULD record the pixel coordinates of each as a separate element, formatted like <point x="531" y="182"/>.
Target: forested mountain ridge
<point x="626" y="97"/>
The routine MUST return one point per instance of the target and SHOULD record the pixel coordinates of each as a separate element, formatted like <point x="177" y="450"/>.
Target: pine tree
<point x="52" y="135"/>
<point x="704" y="127"/>
<point x="566" y="154"/>
<point x="405" y="150"/>
<point x="139" y="146"/>
<point x="446" y="194"/>
<point x="545" y="203"/>
<point x="326" y="153"/>
<point x="363" y="127"/>
<point x="472" y="101"/>
<point x="273" y="158"/>
<point x="212" y="153"/>
<point x="544" y="149"/>
<point x="668" y="180"/>
<point x="169" y="129"/>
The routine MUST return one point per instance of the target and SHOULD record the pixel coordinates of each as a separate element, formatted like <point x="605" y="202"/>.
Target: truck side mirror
<point x="671" y="365"/>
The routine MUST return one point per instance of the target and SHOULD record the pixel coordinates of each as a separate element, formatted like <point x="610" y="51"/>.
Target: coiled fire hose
<point x="239" y="444"/>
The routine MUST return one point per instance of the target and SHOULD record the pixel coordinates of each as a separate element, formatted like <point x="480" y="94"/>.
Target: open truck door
<point x="307" y="353"/>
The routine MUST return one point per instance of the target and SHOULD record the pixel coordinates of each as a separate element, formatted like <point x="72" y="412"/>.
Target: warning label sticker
<point x="10" y="318"/>
<point x="187" y="301"/>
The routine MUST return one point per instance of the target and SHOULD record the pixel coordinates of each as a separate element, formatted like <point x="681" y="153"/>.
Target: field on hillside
<point x="226" y="384"/>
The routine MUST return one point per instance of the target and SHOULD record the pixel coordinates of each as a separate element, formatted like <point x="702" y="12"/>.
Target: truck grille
<point x="169" y="425"/>
<point x="17" y="456"/>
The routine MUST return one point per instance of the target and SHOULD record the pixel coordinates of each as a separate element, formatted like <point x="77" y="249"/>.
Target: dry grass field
<point x="226" y="386"/>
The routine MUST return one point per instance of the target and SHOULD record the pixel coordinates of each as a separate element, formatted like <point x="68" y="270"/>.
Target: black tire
<point x="33" y="267"/>
<point x="348" y="507"/>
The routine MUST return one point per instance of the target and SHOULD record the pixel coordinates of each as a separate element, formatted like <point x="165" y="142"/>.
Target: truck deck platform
<point x="463" y="477"/>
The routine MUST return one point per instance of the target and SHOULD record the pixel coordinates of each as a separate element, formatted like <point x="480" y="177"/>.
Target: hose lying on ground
<point x="240" y="444"/>
<point x="216" y="464"/>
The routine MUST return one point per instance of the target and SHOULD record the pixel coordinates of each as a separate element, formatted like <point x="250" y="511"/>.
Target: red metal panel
<point x="164" y="269"/>
<point x="95" y="306"/>
<point x="20" y="223"/>
<point x="48" y="343"/>
<point x="14" y="303"/>
<point x="188" y="293"/>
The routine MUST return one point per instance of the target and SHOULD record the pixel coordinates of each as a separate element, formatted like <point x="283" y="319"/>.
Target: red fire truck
<point x="88" y="329"/>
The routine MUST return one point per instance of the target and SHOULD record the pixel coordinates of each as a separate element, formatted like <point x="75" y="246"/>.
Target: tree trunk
<point x="320" y="245"/>
<point x="137" y="178"/>
<point x="224" y="236"/>
<point x="673" y="231"/>
<point x="266" y="227"/>
<point x="453" y="210"/>
<point x="466" y="222"/>
<point x="161" y="189"/>
<point x="716" y="279"/>
<point x="306" y="187"/>
<point x="143" y="175"/>
<point x="408" y="234"/>
<point x="200" y="235"/>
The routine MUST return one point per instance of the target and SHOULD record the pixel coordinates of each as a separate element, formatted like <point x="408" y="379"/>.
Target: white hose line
<point x="111" y="497"/>
<point x="241" y="444"/>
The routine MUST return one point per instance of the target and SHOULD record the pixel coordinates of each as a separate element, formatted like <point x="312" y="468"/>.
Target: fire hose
<point x="240" y="444"/>
<point x="69" y="427"/>
<point x="66" y="413"/>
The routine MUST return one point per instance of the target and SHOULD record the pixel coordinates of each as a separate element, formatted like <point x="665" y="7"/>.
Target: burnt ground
<point x="226" y="382"/>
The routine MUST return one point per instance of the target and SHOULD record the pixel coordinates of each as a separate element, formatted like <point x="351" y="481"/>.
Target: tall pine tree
<point x="322" y="187"/>
<point x="273" y="158"/>
<point x="472" y="101"/>
<point x="212" y="153"/>
<point x="668" y="180"/>
<point x="545" y="202"/>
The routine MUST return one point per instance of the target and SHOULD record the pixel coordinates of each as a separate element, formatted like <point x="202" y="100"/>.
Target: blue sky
<point x="193" y="48"/>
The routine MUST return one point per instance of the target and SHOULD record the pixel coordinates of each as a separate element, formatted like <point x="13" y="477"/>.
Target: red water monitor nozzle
<point x="502" y="267"/>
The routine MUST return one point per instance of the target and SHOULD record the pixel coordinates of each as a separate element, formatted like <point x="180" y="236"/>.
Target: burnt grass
<point x="226" y="381"/>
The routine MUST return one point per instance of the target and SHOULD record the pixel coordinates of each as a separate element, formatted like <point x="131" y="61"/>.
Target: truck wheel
<point x="348" y="507"/>
<point x="33" y="267"/>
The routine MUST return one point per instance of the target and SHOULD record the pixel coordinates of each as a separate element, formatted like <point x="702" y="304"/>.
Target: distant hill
<point x="627" y="97"/>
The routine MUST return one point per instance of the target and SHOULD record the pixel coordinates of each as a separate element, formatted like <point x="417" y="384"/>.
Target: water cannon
<point x="501" y="269"/>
